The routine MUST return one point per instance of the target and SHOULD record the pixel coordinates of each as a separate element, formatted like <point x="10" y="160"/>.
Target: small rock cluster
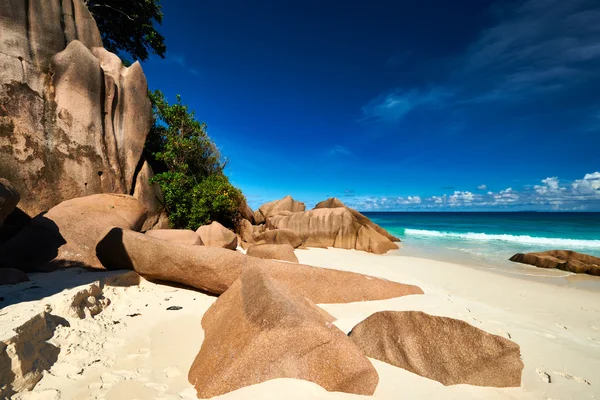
<point x="565" y="260"/>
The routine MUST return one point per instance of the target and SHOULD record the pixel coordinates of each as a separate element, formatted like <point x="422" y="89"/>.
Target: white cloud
<point x="396" y="104"/>
<point x="550" y="185"/>
<point x="590" y="184"/>
<point x="549" y="194"/>
<point x="482" y="187"/>
<point x="180" y="60"/>
<point x="339" y="150"/>
<point x="459" y="198"/>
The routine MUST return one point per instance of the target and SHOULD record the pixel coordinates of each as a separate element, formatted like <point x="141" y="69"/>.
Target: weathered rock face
<point x="368" y="239"/>
<point x="447" y="350"/>
<point x="9" y="198"/>
<point x="67" y="234"/>
<point x="246" y="231"/>
<point x="214" y="269"/>
<point x="561" y="259"/>
<point x="216" y="235"/>
<point x="11" y="276"/>
<point x="332" y="227"/>
<point x="279" y="236"/>
<point x="274" y="332"/>
<point x="247" y="212"/>
<point x="184" y="236"/>
<point x="285" y="205"/>
<point x="149" y="196"/>
<point x="283" y="252"/>
<point x="73" y="119"/>
<point x="363" y="220"/>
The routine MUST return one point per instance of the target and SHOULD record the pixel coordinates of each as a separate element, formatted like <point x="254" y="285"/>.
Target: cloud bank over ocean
<point x="551" y="194"/>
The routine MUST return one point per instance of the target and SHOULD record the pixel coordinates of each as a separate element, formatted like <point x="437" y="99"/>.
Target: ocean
<point x="490" y="238"/>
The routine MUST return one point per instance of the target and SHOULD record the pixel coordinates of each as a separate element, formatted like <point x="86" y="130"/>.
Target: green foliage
<point x="195" y="189"/>
<point x="128" y="26"/>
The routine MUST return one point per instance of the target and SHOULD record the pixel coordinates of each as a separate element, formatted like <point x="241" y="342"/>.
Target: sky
<point x="395" y="106"/>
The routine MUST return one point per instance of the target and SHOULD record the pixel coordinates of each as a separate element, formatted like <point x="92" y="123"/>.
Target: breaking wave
<point x="523" y="239"/>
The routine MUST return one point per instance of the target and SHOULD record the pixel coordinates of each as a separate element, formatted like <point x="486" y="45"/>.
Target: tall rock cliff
<point x="73" y="119"/>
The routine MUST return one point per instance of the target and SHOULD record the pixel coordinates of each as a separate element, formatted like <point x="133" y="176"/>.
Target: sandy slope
<point x="119" y="356"/>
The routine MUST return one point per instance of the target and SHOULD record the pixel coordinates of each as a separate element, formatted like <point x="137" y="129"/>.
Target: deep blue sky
<point x="393" y="105"/>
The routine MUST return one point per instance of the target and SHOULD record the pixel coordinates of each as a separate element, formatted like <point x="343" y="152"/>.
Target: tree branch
<point x="112" y="8"/>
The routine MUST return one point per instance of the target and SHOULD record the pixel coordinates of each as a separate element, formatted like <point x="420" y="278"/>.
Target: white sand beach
<point x="137" y="349"/>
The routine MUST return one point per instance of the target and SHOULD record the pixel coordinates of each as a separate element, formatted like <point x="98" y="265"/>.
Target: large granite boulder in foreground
<point x="260" y="329"/>
<point x="185" y="236"/>
<point x="565" y="260"/>
<point x="216" y="235"/>
<point x="214" y="269"/>
<point x="9" y="198"/>
<point x="67" y="234"/>
<point x="286" y="205"/>
<point x="283" y="252"/>
<point x="447" y="350"/>
<point x="73" y="119"/>
<point x="363" y="220"/>
<point x="332" y="227"/>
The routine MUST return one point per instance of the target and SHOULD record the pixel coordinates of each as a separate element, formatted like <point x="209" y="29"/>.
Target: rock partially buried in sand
<point x="25" y="356"/>
<point x="565" y="260"/>
<point x="11" y="276"/>
<point x="84" y="302"/>
<point x="447" y="350"/>
<point x="9" y="198"/>
<point x="283" y="252"/>
<point x="216" y="235"/>
<point x="67" y="234"/>
<point x="260" y="329"/>
<point x="214" y="269"/>
<point x="185" y="236"/>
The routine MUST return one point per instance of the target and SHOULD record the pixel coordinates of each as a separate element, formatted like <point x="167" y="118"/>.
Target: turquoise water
<point x="491" y="237"/>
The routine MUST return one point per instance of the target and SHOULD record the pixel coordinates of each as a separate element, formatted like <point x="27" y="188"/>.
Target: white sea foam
<point x="524" y="239"/>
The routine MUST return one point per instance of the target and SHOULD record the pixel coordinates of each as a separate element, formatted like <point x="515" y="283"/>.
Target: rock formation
<point x="214" y="269"/>
<point x="282" y="252"/>
<point x="216" y="235"/>
<point x="332" y="227"/>
<point x="67" y="234"/>
<point x="447" y="350"/>
<point x="330" y="224"/>
<point x="260" y="329"/>
<point x="185" y="236"/>
<point x="9" y="198"/>
<point x="363" y="220"/>
<point x="565" y="260"/>
<point x="285" y="205"/>
<point x="73" y="119"/>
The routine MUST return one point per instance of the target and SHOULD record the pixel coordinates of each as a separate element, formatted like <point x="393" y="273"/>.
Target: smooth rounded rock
<point x="216" y="235"/>
<point x="447" y="350"/>
<point x="282" y="252"/>
<point x="185" y="236"/>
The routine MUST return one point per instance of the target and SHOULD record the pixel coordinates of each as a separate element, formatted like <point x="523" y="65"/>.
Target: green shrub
<point x="196" y="191"/>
